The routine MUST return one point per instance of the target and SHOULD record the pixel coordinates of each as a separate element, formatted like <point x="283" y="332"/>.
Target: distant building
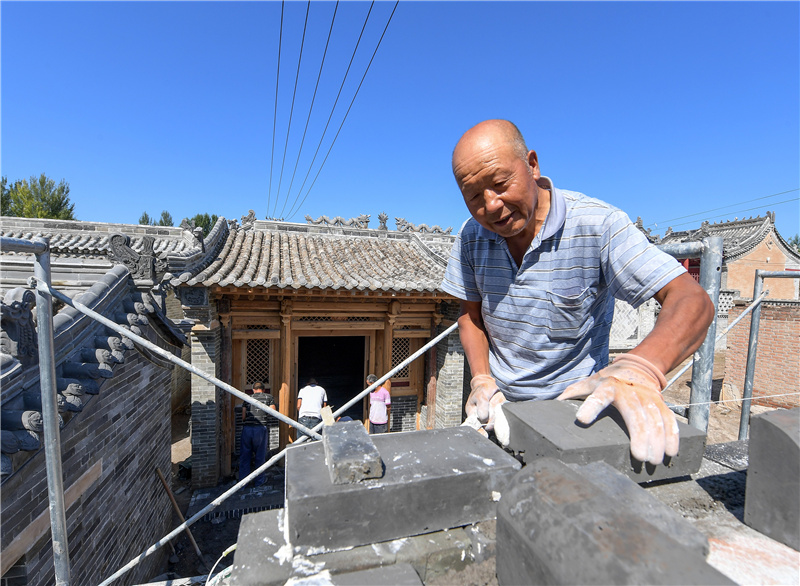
<point x="747" y="245"/>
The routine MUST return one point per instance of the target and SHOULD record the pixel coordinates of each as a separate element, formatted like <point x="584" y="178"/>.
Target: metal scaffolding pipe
<point x="703" y="370"/>
<point x="752" y="345"/>
<point x="681" y="410"/>
<point x="168" y="356"/>
<point x="49" y="390"/>
<point x="36" y="246"/>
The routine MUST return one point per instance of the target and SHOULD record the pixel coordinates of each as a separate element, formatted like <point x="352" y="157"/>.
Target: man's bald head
<point x="494" y="131"/>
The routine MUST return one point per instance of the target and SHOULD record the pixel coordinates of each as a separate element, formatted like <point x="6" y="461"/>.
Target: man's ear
<point x="533" y="163"/>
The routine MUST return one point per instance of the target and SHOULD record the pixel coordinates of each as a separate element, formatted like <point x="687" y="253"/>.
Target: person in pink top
<point x="380" y="404"/>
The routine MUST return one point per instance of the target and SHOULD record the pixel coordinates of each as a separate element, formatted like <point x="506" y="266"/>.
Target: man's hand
<point x="492" y="405"/>
<point x="483" y="388"/>
<point x="633" y="385"/>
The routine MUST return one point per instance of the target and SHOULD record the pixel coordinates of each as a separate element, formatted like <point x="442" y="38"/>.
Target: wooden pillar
<point x="285" y="405"/>
<point x="431" y="363"/>
<point x="388" y="334"/>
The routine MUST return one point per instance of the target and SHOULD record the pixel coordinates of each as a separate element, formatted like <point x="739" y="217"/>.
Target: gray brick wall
<point x="205" y="409"/>
<point x="127" y="428"/>
<point x="404" y="413"/>
<point x="452" y="384"/>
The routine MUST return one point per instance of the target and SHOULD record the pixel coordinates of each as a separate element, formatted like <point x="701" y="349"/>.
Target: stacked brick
<point x="777" y="369"/>
<point x="404" y="413"/>
<point x="451" y="366"/>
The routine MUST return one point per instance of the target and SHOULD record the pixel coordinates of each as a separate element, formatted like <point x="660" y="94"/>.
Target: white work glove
<point x="483" y="408"/>
<point x="483" y="388"/>
<point x="633" y="385"/>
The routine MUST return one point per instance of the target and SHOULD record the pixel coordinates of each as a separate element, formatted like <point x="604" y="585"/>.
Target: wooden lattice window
<point x="258" y="362"/>
<point x="400" y="351"/>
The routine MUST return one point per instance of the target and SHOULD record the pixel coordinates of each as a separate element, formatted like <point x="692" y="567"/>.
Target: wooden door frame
<point x="369" y="355"/>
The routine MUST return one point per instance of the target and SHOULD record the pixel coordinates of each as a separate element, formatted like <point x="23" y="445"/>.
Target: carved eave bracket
<point x="143" y="266"/>
<point x="18" y="338"/>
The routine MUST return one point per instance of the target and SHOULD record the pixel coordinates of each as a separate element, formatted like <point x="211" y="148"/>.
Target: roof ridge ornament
<point x="361" y="221"/>
<point x="383" y="218"/>
<point x="404" y="225"/>
<point x="249" y="220"/>
<point x="142" y="265"/>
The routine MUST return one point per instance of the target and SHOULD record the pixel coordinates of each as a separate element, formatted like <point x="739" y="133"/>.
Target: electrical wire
<point x="291" y="111"/>
<point x="341" y="87"/>
<point x="723" y="207"/>
<point x="291" y="213"/>
<point x="313" y="98"/>
<point x="275" y="115"/>
<point x="222" y="574"/>
<point x="775" y="203"/>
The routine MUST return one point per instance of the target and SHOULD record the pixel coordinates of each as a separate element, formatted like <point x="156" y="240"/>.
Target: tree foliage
<point x="795" y="241"/>
<point x="40" y="197"/>
<point x="166" y="219"/>
<point x="204" y="221"/>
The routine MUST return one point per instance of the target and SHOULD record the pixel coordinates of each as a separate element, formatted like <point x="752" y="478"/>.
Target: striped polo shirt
<point x="549" y="320"/>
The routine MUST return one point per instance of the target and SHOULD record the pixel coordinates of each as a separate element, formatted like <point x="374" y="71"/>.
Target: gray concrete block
<point x="558" y="525"/>
<point x="434" y="479"/>
<point x="349" y="453"/>
<point x="396" y="574"/>
<point x="617" y="485"/>
<point x="549" y="429"/>
<point x="772" y="504"/>
<point x="263" y="558"/>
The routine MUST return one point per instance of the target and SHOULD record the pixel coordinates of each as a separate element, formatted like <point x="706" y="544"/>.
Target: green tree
<point x="205" y="222"/>
<point x="795" y="241"/>
<point x="166" y="219"/>
<point x="39" y="198"/>
<point x="146" y="220"/>
<point x="5" y="198"/>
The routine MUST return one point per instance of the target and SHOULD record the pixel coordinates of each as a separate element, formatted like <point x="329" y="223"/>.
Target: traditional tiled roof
<point x="283" y="255"/>
<point x="738" y="236"/>
<point x="70" y="238"/>
<point x="256" y="253"/>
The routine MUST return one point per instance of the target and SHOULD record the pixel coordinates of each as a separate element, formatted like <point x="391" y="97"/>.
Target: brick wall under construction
<point x="777" y="369"/>
<point x="116" y="506"/>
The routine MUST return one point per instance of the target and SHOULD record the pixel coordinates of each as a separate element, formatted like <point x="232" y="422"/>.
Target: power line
<point x="291" y="111"/>
<point x="341" y="87"/>
<point x="348" y="109"/>
<point x="275" y="115"/>
<point x="745" y="210"/>
<point x="723" y="207"/>
<point x="313" y="98"/>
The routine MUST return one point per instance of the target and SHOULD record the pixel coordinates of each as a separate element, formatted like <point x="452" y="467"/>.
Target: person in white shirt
<point x="310" y="401"/>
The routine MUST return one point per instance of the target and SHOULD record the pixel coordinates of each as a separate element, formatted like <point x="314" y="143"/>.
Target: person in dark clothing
<point x="255" y="434"/>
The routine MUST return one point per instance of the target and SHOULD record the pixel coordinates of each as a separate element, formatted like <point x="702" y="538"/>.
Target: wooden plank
<point x="336" y="325"/>
<point x="256" y="334"/>
<point x="40" y="526"/>
<point x="412" y="333"/>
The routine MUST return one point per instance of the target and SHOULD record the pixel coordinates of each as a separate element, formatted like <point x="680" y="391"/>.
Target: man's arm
<point x="484" y="399"/>
<point x="686" y="313"/>
<point x="299" y="402"/>
<point x="634" y="381"/>
<point x="474" y="338"/>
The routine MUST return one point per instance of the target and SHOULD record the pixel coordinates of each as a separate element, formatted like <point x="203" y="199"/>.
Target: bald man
<point x="537" y="269"/>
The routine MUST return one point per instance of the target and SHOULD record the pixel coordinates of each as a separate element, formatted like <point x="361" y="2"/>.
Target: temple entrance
<point x="338" y="363"/>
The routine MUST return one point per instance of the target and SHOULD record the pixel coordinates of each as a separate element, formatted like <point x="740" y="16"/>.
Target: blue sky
<point x="665" y="109"/>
